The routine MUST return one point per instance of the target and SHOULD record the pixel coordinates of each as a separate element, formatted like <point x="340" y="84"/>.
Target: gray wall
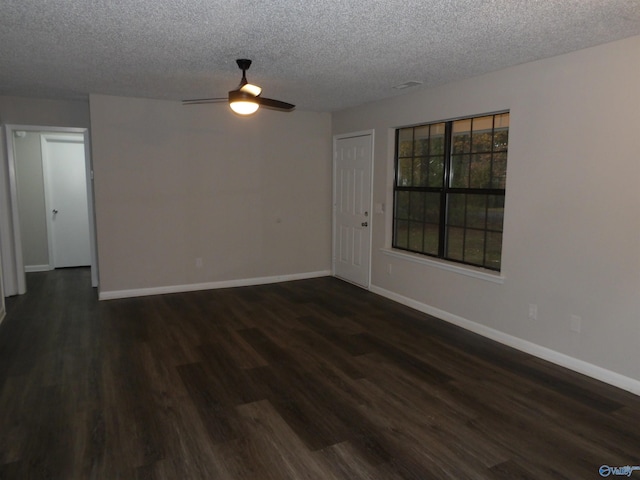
<point x="251" y="197"/>
<point x="572" y="228"/>
<point x="31" y="201"/>
<point x="50" y="113"/>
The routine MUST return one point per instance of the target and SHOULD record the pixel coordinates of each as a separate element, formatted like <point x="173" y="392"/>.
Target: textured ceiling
<point x="320" y="55"/>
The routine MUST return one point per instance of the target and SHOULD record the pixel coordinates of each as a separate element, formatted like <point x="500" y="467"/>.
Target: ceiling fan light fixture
<point x="245" y="99"/>
<point x="243" y="103"/>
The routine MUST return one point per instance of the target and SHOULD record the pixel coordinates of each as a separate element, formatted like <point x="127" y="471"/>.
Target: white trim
<point x="245" y="282"/>
<point x="37" y="268"/>
<point x="92" y="211"/>
<point x="48" y="202"/>
<point x="362" y="133"/>
<point x="607" y="376"/>
<point x="7" y="270"/>
<point x="469" y="271"/>
<point x="17" y="279"/>
<point x="336" y="138"/>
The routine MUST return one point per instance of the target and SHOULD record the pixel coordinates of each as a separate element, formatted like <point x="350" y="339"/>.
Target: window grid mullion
<point x="413" y="157"/>
<point x="446" y="177"/>
<point x="427" y="159"/>
<point x="424" y="220"/>
<point x="464" y="227"/>
<point x="493" y="148"/>
<point x="486" y="227"/>
<point x="470" y="155"/>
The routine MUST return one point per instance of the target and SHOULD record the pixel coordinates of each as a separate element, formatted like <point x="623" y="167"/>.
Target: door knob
<point x="365" y="224"/>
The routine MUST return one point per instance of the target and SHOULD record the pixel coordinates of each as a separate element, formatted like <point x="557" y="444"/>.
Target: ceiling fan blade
<point x="254" y="90"/>
<point x="198" y="101"/>
<point x="275" y="104"/>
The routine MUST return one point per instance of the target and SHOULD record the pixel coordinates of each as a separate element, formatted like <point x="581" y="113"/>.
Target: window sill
<point x="469" y="271"/>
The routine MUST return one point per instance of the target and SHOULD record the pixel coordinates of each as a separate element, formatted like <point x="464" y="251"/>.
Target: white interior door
<point x="66" y="198"/>
<point x="353" y="162"/>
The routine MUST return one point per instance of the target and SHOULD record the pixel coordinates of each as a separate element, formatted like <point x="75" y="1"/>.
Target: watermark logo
<point x="626" y="471"/>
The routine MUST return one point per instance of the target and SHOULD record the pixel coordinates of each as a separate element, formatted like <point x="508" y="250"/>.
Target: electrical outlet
<point x="389" y="269"/>
<point x="199" y="263"/>
<point x="576" y="323"/>
<point x="533" y="311"/>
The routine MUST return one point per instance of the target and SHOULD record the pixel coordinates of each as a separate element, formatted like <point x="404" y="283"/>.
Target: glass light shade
<point x="243" y="103"/>
<point x="244" y="107"/>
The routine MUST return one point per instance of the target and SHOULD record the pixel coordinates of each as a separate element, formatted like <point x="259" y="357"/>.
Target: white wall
<point x="249" y="196"/>
<point x="572" y="215"/>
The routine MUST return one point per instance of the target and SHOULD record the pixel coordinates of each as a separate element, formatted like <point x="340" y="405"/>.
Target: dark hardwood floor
<point x="313" y="379"/>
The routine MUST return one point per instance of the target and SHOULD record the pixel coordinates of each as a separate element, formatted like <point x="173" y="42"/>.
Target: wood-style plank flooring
<point x="314" y="379"/>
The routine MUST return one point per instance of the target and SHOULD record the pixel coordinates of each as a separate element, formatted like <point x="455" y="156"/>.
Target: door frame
<point x="336" y="138"/>
<point x="13" y="263"/>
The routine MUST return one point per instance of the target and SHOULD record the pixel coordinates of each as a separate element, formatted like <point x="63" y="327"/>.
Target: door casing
<point x="368" y="134"/>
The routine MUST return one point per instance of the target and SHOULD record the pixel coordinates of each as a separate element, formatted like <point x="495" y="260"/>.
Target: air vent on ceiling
<point x="404" y="85"/>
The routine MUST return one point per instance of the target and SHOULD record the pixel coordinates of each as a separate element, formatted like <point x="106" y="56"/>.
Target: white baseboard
<point x="37" y="268"/>
<point x="245" y="282"/>
<point x="580" y="366"/>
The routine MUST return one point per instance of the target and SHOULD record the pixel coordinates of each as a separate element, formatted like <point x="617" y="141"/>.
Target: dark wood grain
<point x="314" y="379"/>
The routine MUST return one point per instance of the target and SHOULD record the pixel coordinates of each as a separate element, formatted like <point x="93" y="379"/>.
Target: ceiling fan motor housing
<point x="243" y="63"/>
<point x="241" y="96"/>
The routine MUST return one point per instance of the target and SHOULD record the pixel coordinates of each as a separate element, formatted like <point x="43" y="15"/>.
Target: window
<point x="449" y="189"/>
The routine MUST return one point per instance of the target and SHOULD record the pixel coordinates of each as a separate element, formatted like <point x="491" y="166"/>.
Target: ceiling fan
<point x="245" y="99"/>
